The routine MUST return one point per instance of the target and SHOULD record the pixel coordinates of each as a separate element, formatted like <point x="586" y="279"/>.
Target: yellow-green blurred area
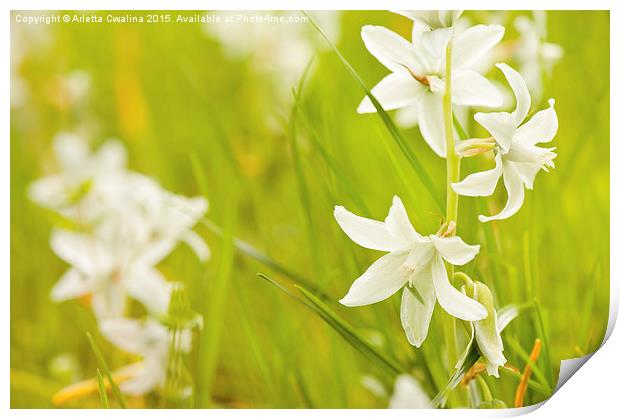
<point x="194" y="108"/>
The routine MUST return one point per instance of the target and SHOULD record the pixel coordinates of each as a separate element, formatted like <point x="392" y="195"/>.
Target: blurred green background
<point x="189" y="110"/>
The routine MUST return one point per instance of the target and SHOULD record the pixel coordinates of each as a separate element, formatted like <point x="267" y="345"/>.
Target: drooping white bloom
<point x="417" y="78"/>
<point x="518" y="158"/>
<point x="535" y="56"/>
<point x="414" y="261"/>
<point x="151" y="341"/>
<point x="409" y="394"/>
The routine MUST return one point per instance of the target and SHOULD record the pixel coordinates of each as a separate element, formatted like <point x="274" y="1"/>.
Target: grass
<point x="202" y="123"/>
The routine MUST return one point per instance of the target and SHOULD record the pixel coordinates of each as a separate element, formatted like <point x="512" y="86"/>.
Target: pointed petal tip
<point x="551" y="103"/>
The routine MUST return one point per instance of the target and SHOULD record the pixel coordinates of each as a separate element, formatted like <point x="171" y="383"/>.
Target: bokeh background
<point x="209" y="110"/>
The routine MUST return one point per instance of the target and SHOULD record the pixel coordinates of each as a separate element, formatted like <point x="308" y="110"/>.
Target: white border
<point x="593" y="392"/>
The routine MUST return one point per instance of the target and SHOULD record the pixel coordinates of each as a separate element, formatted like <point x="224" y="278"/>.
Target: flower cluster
<point x="117" y="225"/>
<point x="434" y="70"/>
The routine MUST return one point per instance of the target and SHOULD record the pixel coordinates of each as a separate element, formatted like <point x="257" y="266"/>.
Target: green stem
<point x="453" y="163"/>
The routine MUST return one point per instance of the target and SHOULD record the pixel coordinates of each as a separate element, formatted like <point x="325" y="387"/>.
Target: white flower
<point x="409" y="394"/>
<point x="432" y="19"/>
<point x="486" y="332"/>
<point x="151" y="341"/>
<point x="518" y="158"/>
<point x="413" y="261"/>
<point x="82" y="172"/>
<point x="535" y="56"/>
<point x="418" y="73"/>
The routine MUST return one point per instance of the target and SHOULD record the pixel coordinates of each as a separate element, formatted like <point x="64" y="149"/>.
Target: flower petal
<point x="486" y="331"/>
<point x="368" y="233"/>
<point x="109" y="301"/>
<point x="515" y="190"/>
<point x="397" y="222"/>
<point x="408" y="116"/>
<point x="149" y="287"/>
<point x="391" y="49"/>
<point x="522" y="95"/>
<point x="127" y="334"/>
<point x="481" y="183"/>
<point x="71" y="150"/>
<point x="85" y="253"/>
<point x="197" y="244"/>
<point x="454" y="249"/>
<point x="395" y="91"/>
<point x="471" y="89"/>
<point x="409" y="394"/>
<point x="72" y="284"/>
<point x="454" y="302"/>
<point x="541" y="128"/>
<point x="471" y="44"/>
<point x="431" y="122"/>
<point x="499" y="125"/>
<point x="415" y="316"/>
<point x="382" y="279"/>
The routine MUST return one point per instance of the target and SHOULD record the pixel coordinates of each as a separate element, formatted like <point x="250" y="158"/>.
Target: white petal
<point x="72" y="284"/>
<point x="71" y="151"/>
<point x="382" y="279"/>
<point x="368" y="233"/>
<point x="50" y="191"/>
<point x="109" y="301"/>
<point x="522" y="95"/>
<point x="395" y="91"/>
<point x="391" y="49"/>
<point x="112" y="156"/>
<point x="471" y="44"/>
<point x="409" y="115"/>
<point x="454" y="302"/>
<point x="471" y="89"/>
<point x="541" y="128"/>
<point x="197" y="244"/>
<point x="127" y="334"/>
<point x="454" y="249"/>
<point x="149" y="375"/>
<point x="499" y="125"/>
<point x="409" y="394"/>
<point x="397" y="222"/>
<point x="487" y="332"/>
<point x="415" y="316"/>
<point x="155" y="252"/>
<point x="150" y="288"/>
<point x="515" y="190"/>
<point x="431" y="122"/>
<point x="85" y="253"/>
<point x="481" y="183"/>
<point x="527" y="172"/>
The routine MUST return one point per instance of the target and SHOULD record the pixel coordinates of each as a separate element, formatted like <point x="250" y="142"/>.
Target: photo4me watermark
<point x="54" y="18"/>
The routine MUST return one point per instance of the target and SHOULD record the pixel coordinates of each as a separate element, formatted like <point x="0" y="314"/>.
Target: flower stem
<point x="453" y="163"/>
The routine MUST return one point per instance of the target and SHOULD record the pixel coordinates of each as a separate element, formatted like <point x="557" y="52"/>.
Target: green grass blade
<point x="329" y="160"/>
<point x="106" y="371"/>
<point x="259" y="256"/>
<point x="387" y="121"/>
<point x="103" y="395"/>
<point x="341" y="326"/>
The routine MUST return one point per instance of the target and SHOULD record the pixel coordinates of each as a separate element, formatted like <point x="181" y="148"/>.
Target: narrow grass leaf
<point x="103" y="395"/>
<point x="106" y="371"/>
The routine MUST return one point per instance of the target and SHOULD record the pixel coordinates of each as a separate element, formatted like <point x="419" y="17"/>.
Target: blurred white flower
<point x="151" y="341"/>
<point x="417" y="80"/>
<point x="535" y="56"/>
<point x="126" y="225"/>
<point x="278" y="50"/>
<point x="432" y="19"/>
<point x="414" y="262"/>
<point x="518" y="159"/>
<point x="409" y="394"/>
